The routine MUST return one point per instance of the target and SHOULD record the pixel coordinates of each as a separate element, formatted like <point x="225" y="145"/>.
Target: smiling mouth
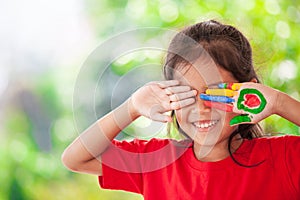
<point x="205" y="124"/>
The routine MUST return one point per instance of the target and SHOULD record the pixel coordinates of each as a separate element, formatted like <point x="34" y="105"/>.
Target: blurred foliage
<point x="39" y="123"/>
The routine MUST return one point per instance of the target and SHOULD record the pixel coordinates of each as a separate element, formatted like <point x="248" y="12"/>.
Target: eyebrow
<point x="209" y="86"/>
<point x="214" y="84"/>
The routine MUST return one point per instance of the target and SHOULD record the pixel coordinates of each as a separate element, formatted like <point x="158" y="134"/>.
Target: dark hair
<point x="228" y="48"/>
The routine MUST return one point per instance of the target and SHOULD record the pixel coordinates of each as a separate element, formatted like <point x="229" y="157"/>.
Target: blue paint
<point x="222" y="99"/>
<point x="222" y="85"/>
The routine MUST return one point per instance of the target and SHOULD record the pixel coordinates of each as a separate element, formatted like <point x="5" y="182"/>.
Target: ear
<point x="254" y="80"/>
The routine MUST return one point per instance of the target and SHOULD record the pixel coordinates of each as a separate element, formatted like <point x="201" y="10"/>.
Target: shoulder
<point x="276" y="145"/>
<point x="272" y="144"/>
<point x="277" y="140"/>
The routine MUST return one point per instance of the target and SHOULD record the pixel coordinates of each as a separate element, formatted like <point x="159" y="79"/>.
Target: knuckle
<point x="188" y="102"/>
<point x="151" y="83"/>
<point x="166" y="105"/>
<point x="168" y="90"/>
<point x="175" y="105"/>
<point x="187" y="88"/>
<point x="174" y="97"/>
<point x="189" y="94"/>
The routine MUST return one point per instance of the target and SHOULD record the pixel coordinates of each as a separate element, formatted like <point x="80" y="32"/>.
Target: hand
<point x="155" y="98"/>
<point x="253" y="101"/>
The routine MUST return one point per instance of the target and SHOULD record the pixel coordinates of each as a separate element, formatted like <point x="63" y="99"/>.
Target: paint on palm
<point x="250" y="100"/>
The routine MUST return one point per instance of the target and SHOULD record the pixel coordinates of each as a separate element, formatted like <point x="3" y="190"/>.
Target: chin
<point x="206" y="136"/>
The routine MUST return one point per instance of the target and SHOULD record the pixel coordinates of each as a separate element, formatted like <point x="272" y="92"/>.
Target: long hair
<point x="228" y="48"/>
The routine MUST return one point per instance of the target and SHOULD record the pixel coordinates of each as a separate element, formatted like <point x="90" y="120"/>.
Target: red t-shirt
<point x="167" y="169"/>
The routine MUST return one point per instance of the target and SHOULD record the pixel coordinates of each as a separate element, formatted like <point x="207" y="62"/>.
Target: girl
<point x="216" y="101"/>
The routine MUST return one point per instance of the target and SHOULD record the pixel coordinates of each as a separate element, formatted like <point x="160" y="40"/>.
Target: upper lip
<point x="204" y="120"/>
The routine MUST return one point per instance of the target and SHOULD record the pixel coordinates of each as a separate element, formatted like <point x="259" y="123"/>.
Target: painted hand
<point x="156" y="98"/>
<point x="254" y="102"/>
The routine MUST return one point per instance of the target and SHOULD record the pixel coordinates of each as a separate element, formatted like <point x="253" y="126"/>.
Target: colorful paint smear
<point x="219" y="106"/>
<point x="239" y="119"/>
<point x="232" y="86"/>
<point x="222" y="99"/>
<point x="251" y="100"/>
<point x="221" y="92"/>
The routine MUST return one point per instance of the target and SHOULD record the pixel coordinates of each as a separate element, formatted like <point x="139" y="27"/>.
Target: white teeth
<point x="205" y="125"/>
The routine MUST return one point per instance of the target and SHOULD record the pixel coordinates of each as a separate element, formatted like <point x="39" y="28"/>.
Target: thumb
<point x="156" y="114"/>
<point x="161" y="118"/>
<point x="240" y="119"/>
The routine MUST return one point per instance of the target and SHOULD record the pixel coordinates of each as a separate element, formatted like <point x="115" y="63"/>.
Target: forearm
<point x="98" y="136"/>
<point x="94" y="140"/>
<point x="289" y="108"/>
<point x="152" y="101"/>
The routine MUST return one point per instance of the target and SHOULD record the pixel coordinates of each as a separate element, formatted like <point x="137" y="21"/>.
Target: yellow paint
<point x="236" y="86"/>
<point x="221" y="92"/>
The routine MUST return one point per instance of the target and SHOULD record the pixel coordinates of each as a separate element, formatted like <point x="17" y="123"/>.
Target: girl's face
<point x="206" y="126"/>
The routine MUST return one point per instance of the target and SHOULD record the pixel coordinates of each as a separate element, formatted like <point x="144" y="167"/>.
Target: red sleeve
<point x="122" y="166"/>
<point x="292" y="152"/>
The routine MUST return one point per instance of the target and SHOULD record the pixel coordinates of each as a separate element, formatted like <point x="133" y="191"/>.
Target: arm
<point x="151" y="100"/>
<point x="253" y="101"/>
<point x="83" y="155"/>
<point x="288" y="108"/>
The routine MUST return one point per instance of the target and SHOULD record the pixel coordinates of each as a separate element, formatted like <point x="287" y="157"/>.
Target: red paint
<point x="251" y="100"/>
<point x="229" y="85"/>
<point x="220" y="106"/>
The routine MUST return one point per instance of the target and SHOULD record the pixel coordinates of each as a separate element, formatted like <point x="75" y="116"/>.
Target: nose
<point x="200" y="106"/>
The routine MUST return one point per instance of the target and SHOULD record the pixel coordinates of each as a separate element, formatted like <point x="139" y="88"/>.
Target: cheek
<point x="225" y="119"/>
<point x="178" y="114"/>
<point x="181" y="116"/>
<point x="229" y="116"/>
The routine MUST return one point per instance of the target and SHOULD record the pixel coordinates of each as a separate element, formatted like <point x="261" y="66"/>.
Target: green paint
<point x="241" y="106"/>
<point x="239" y="119"/>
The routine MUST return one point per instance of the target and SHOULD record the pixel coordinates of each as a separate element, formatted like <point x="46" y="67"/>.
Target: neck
<point x="219" y="151"/>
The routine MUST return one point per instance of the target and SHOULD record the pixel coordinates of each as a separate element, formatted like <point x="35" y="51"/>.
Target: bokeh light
<point x="45" y="43"/>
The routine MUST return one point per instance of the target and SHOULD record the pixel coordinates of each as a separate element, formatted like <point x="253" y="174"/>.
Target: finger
<point x="231" y="86"/>
<point x="165" y="84"/>
<point x="219" y="106"/>
<point x="180" y="104"/>
<point x="161" y="117"/>
<point x="221" y="99"/>
<point x="178" y="89"/>
<point x="240" y="119"/>
<point x="181" y="96"/>
<point x="221" y="92"/>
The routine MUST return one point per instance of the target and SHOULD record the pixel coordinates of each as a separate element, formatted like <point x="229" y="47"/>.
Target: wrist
<point x="279" y="105"/>
<point x="132" y="110"/>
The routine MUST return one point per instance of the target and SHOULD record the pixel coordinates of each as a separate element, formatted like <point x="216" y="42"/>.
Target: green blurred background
<point x="44" y="44"/>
